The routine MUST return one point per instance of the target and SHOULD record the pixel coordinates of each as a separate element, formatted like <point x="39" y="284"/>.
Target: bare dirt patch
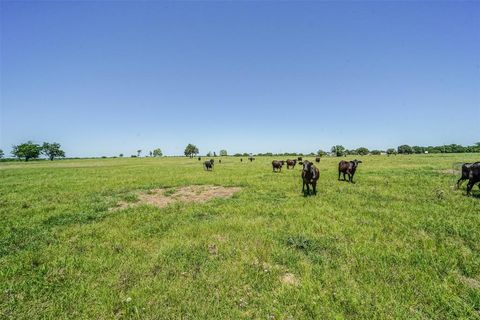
<point x="163" y="197"/>
<point x="450" y="171"/>
<point x="289" y="279"/>
<point x="470" y="282"/>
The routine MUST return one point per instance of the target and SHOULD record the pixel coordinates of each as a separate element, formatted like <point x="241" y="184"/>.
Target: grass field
<point x="400" y="243"/>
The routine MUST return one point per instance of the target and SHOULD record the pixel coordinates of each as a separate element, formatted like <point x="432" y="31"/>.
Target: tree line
<point x="30" y="150"/>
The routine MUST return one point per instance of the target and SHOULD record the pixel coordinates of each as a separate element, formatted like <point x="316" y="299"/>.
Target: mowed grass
<point x="400" y="243"/>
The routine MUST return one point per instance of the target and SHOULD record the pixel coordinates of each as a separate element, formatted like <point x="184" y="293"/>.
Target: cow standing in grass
<point x="291" y="163"/>
<point x="348" y="167"/>
<point x="277" y="165"/>
<point x="208" y="165"/>
<point x="465" y="172"/>
<point x="317" y="159"/>
<point x="310" y="175"/>
<point x="473" y="176"/>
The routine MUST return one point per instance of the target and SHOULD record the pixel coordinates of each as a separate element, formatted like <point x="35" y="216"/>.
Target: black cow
<point x="208" y="165"/>
<point x="299" y="158"/>
<point x="473" y="176"/>
<point x="251" y="159"/>
<point x="291" y="163"/>
<point x="277" y="165"/>
<point x="219" y="160"/>
<point x="241" y="160"/>
<point x="465" y="171"/>
<point x="199" y="158"/>
<point x="310" y="175"/>
<point x="348" y="167"/>
<point x="317" y="159"/>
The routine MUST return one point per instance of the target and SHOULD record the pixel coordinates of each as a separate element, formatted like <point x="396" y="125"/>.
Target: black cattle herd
<point x="310" y="173"/>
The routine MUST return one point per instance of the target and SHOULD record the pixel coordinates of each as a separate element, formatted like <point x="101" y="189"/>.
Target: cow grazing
<point x="310" y="175"/>
<point x="348" y="167"/>
<point x="219" y="160"/>
<point x="291" y="163"/>
<point x="465" y="172"/>
<point x="241" y="160"/>
<point x="473" y="176"/>
<point x="277" y="165"/>
<point x="317" y="159"/>
<point x="251" y="159"/>
<point x="199" y="158"/>
<point x="208" y="165"/>
<point x="299" y="158"/>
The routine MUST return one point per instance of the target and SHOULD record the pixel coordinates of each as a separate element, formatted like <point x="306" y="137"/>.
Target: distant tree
<point x="214" y="154"/>
<point x="418" y="149"/>
<point x="191" y="150"/>
<point x="133" y="156"/>
<point x="52" y="150"/>
<point x="150" y="153"/>
<point x="376" y="152"/>
<point x="391" y="151"/>
<point x="1" y="153"/>
<point x="405" y="149"/>
<point x="237" y="155"/>
<point x="338" y="150"/>
<point x="350" y="152"/>
<point x="321" y="153"/>
<point x="157" y="152"/>
<point x="362" y="151"/>
<point x="27" y="150"/>
<point x="223" y="152"/>
<point x="139" y="151"/>
<point x="121" y="155"/>
<point x="209" y="154"/>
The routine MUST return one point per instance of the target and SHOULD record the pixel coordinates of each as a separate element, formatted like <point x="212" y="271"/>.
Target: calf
<point x="208" y="165"/>
<point x="277" y="165"/>
<point x="348" y="167"/>
<point x="317" y="159"/>
<point x="291" y="164"/>
<point x="465" y="171"/>
<point x="310" y="175"/>
<point x="473" y="176"/>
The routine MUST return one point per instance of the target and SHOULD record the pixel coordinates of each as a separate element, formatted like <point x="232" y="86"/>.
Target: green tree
<point x="121" y="155"/>
<point x="139" y="151"/>
<point x="209" y="154"/>
<point x="391" y="151"/>
<point x="338" y="150"/>
<point x="1" y="153"/>
<point x="405" y="149"/>
<point x="52" y="150"/>
<point x="376" y="152"/>
<point x="418" y="149"/>
<point x="321" y="153"/>
<point x="27" y="150"/>
<point x="157" y="152"/>
<point x="223" y="152"/>
<point x="362" y="151"/>
<point x="191" y="150"/>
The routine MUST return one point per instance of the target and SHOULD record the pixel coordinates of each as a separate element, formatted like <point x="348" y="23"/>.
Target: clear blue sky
<point x="108" y="77"/>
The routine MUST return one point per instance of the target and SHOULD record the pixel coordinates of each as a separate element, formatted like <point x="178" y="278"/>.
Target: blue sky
<point x="104" y="78"/>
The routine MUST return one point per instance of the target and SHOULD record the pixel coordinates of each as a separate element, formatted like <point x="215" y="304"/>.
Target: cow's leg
<point x="314" y="186"/>
<point x="308" y="188"/>
<point x="339" y="173"/>
<point x="351" y="177"/>
<point x="469" y="186"/>
<point x="303" y="187"/>
<point x="344" y="179"/>
<point x="459" y="182"/>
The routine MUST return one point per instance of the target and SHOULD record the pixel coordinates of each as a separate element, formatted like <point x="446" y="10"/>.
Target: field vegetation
<point x="399" y="243"/>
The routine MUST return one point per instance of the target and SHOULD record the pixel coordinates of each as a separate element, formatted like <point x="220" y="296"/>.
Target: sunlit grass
<point x="400" y="243"/>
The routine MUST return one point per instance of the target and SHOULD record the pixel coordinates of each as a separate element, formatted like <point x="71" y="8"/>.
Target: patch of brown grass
<point x="163" y="197"/>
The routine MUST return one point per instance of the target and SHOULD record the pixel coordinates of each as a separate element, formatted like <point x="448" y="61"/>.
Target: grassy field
<point x="400" y="243"/>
